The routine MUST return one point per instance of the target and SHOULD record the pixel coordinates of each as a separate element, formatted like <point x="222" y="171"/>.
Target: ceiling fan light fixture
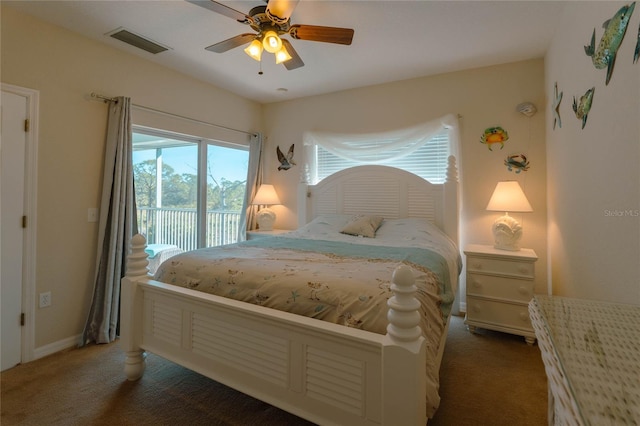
<point x="254" y="50"/>
<point x="282" y="55"/>
<point x="271" y="42"/>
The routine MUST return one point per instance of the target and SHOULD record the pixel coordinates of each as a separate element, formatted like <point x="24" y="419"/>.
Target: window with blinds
<point x="429" y="162"/>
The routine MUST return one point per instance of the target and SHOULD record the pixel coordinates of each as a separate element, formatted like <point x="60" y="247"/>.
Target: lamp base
<point x="507" y="233"/>
<point x="266" y="218"/>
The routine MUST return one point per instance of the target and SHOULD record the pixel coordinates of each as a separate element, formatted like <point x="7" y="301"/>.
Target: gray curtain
<point x="254" y="179"/>
<point x="117" y="225"/>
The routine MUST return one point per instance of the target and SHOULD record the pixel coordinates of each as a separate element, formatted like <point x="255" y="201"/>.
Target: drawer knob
<point x="523" y="290"/>
<point x="477" y="284"/>
<point x="524" y="316"/>
<point x="523" y="269"/>
<point x="477" y="265"/>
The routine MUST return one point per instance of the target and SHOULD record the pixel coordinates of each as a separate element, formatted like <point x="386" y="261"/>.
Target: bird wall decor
<point x="286" y="161"/>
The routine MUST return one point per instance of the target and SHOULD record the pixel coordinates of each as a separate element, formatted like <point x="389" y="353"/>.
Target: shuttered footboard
<point x="326" y="373"/>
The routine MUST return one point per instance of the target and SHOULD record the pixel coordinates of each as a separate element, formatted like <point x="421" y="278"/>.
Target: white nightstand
<point x="499" y="288"/>
<point x="253" y="235"/>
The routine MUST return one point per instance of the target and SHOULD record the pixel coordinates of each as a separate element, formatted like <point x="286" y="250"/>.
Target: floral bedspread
<point x="346" y="284"/>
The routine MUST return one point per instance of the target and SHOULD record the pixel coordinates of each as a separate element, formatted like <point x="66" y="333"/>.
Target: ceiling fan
<point x="270" y="21"/>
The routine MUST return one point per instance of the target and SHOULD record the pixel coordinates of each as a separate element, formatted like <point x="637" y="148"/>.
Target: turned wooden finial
<point x="137" y="261"/>
<point x="403" y="315"/>
<point x="452" y="170"/>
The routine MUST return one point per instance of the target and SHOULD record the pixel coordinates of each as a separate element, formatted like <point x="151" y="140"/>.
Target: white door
<point x="12" y="184"/>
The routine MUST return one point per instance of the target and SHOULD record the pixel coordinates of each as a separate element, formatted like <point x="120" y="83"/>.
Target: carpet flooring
<point x="488" y="378"/>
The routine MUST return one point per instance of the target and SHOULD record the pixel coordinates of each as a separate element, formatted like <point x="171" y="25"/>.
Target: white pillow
<point x="365" y="226"/>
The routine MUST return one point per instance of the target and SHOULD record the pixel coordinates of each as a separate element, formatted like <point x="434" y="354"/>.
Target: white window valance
<point x="382" y="147"/>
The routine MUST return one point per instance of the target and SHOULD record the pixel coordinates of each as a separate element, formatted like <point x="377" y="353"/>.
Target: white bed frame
<point x="323" y="372"/>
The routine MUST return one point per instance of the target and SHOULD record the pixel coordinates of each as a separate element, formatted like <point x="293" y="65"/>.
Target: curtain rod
<point x="157" y="111"/>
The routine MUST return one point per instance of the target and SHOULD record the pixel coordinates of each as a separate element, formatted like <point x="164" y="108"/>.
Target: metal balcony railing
<point x="178" y="226"/>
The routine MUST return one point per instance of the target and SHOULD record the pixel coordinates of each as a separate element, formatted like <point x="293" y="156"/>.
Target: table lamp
<point x="508" y="197"/>
<point x="266" y="196"/>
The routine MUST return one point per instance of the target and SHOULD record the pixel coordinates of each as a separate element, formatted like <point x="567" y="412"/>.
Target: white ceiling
<point x="394" y="40"/>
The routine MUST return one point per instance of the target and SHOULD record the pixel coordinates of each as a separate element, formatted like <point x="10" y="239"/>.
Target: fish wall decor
<point x="286" y="161"/>
<point x="517" y="163"/>
<point x="557" y="98"/>
<point x="614" y="30"/>
<point x="493" y="135"/>
<point x="583" y="107"/>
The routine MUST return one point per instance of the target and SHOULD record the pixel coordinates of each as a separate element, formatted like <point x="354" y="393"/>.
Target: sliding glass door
<point x="189" y="191"/>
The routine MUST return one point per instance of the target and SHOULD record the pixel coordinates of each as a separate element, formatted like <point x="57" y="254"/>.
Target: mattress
<point x="321" y="273"/>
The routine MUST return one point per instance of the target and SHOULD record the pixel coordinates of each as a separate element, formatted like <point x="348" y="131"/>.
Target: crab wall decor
<point x="517" y="163"/>
<point x="494" y="135"/>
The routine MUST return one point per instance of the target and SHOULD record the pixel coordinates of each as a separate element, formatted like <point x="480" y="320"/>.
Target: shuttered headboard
<point x="384" y="191"/>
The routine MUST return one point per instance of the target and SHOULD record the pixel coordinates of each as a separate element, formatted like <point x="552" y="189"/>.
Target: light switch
<point x="92" y="214"/>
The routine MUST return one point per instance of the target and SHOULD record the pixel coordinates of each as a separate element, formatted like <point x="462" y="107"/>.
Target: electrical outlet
<point x="45" y="299"/>
<point x="92" y="215"/>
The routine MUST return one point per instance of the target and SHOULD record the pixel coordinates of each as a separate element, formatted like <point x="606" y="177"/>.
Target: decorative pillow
<point x="365" y="226"/>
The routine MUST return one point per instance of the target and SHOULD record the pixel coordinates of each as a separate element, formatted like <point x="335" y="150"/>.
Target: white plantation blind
<point x="422" y="150"/>
<point x="429" y="161"/>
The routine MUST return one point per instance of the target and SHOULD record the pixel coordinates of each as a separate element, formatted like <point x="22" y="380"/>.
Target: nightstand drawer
<point x="490" y="312"/>
<point x="499" y="287"/>
<point x="500" y="267"/>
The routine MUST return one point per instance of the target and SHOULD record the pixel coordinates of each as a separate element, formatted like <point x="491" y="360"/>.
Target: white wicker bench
<point x="591" y="354"/>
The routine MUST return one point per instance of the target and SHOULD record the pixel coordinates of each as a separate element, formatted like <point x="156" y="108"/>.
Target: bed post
<point x="303" y="204"/>
<point x="404" y="355"/>
<point x="131" y="308"/>
<point x="451" y="200"/>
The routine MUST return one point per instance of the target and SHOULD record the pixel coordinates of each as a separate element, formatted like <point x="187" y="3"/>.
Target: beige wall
<point x="484" y="97"/>
<point x="593" y="173"/>
<point x="65" y="68"/>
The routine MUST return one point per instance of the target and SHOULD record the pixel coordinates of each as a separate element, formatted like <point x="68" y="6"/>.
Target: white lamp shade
<point x="266" y="196"/>
<point x="509" y="197"/>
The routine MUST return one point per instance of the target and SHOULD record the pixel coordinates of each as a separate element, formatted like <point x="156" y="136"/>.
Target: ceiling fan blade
<point x="220" y="8"/>
<point x="324" y="34"/>
<point x="279" y="11"/>
<point x="295" y="61"/>
<point x="230" y="43"/>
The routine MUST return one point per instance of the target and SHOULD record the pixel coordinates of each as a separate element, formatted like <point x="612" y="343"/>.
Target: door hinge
<point x="24" y="221"/>
<point x="26" y="125"/>
<point x="22" y="319"/>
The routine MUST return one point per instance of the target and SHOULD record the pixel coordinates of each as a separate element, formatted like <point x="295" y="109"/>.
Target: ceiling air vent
<point x="137" y="41"/>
